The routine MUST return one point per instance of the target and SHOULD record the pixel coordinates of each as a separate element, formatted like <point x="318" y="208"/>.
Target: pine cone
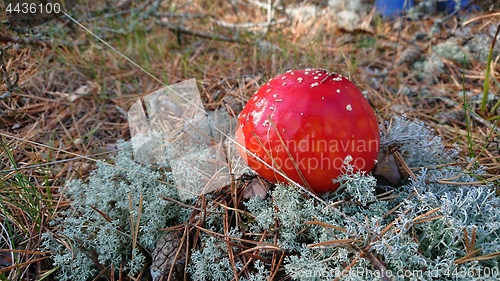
<point x="164" y="256"/>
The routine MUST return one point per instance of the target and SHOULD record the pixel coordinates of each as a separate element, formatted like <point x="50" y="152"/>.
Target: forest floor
<point x="70" y="93"/>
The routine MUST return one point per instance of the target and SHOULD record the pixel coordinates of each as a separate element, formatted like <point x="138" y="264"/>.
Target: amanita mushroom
<point x="308" y="124"/>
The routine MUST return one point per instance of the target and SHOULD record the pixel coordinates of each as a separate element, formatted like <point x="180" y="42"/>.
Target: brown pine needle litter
<point x="64" y="99"/>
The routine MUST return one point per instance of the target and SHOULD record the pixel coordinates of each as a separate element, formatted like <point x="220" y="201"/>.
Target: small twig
<point x="180" y="29"/>
<point x="184" y="15"/>
<point x="34" y="166"/>
<point x="25" y="41"/>
<point x="266" y="24"/>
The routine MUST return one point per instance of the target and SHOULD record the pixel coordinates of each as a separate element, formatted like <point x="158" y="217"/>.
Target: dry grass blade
<point x="347" y="269"/>
<point x="377" y="264"/>
<point x="22" y="265"/>
<point x="178" y="253"/>
<point x="134" y="223"/>
<point x="423" y="216"/>
<point x="229" y="246"/>
<point x="290" y="156"/>
<point x="334" y="243"/>
<point x="276" y="265"/>
<point x="481" y="17"/>
<point x="261" y="248"/>
<point x="391" y="211"/>
<point x="471" y="252"/>
<point x="429" y="219"/>
<point x="405" y="166"/>
<point x="327" y="225"/>
<point x="446" y="181"/>
<point x="273" y="165"/>
<point x="23" y="252"/>
<point x="469" y="258"/>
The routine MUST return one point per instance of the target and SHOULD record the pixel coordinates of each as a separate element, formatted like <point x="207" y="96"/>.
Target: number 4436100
<point x="33" y="8"/>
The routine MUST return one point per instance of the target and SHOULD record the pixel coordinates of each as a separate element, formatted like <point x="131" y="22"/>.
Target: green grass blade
<point x="486" y="85"/>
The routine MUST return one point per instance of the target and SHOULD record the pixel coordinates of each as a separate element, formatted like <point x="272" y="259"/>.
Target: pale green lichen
<point x="110" y="189"/>
<point x="212" y="263"/>
<point x="421" y="239"/>
<point x="452" y="51"/>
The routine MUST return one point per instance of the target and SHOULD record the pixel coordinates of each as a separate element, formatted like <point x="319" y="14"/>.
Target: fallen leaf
<point x="258" y="187"/>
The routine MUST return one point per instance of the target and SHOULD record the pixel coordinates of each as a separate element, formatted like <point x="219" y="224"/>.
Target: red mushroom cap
<point x="312" y="121"/>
